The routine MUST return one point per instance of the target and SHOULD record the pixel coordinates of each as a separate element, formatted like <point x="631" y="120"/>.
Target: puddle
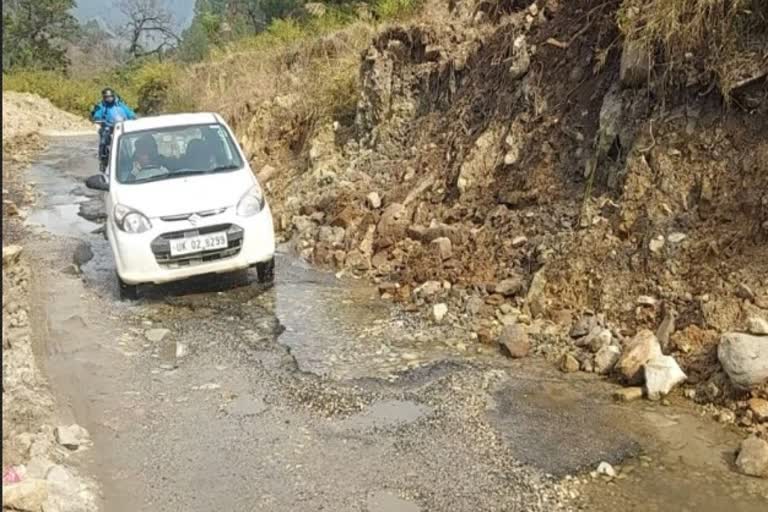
<point x="386" y="414"/>
<point x="387" y="502"/>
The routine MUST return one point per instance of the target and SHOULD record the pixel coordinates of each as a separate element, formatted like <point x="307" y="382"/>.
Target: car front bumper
<point x="145" y="257"/>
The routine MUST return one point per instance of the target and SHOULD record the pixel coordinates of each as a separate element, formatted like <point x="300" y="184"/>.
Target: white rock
<point x="657" y="244"/>
<point x="156" y="335"/>
<point x="661" y="375"/>
<point x="519" y="240"/>
<point x="606" y="358"/>
<point x="606" y="469"/>
<point x="676" y="238"/>
<point x="439" y="311"/>
<point x="373" y="200"/>
<point x="757" y="326"/>
<point x="71" y="437"/>
<point x="646" y="300"/>
<point x="744" y="358"/>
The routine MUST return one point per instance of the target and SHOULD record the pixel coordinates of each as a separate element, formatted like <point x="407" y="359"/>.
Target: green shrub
<point x="396" y="9"/>
<point x="76" y="96"/>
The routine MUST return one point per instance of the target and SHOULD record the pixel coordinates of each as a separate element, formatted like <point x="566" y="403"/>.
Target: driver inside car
<point x="147" y="160"/>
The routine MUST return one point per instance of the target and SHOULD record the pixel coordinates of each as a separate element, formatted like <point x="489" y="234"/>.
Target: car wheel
<point x="266" y="271"/>
<point x="127" y="291"/>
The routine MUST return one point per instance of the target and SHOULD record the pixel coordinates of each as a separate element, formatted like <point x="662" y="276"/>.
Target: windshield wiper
<point x="189" y="172"/>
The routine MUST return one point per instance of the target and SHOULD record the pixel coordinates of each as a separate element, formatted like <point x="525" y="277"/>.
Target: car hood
<point x="191" y="194"/>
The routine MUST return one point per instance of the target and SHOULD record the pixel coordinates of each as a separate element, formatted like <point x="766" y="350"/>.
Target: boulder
<point x="514" y="340"/>
<point x="439" y="311"/>
<point x="753" y="457"/>
<point x="156" y="335"/>
<point x="606" y="358"/>
<point x="71" y="437"/>
<point x="569" y="364"/>
<point x="744" y="358"/>
<point x="757" y="326"/>
<point x="392" y="226"/>
<point x="759" y="408"/>
<point x="662" y="373"/>
<point x="638" y="351"/>
<point x="26" y="496"/>
<point x="628" y="394"/>
<point x="11" y="255"/>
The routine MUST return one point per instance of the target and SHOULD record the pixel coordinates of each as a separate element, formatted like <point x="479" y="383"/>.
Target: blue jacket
<point x="100" y="111"/>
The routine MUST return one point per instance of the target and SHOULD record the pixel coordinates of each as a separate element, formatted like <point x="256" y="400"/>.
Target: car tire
<point x="266" y="271"/>
<point x="127" y="291"/>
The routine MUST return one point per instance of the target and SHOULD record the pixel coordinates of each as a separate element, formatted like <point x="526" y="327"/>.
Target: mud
<point x="317" y="394"/>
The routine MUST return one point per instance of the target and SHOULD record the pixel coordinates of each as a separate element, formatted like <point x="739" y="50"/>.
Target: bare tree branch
<point x="150" y="28"/>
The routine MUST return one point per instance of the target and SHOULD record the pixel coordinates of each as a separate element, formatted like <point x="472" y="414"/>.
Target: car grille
<point x="161" y="246"/>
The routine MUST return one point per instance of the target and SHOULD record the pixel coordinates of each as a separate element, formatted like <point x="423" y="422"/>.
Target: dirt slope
<point x="24" y="114"/>
<point x="468" y="163"/>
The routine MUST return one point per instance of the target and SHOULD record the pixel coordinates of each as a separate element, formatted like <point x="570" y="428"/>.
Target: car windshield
<point x="154" y="155"/>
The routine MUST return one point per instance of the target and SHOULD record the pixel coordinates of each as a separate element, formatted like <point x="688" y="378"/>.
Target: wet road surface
<point x="315" y="395"/>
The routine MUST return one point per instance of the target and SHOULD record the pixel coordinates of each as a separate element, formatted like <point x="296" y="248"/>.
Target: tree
<point x="35" y="33"/>
<point x="150" y="27"/>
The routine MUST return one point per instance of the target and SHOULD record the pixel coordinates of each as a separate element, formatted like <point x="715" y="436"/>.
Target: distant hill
<point x="107" y="12"/>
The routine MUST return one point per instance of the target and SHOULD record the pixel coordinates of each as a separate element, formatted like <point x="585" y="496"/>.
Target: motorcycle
<point x="106" y="128"/>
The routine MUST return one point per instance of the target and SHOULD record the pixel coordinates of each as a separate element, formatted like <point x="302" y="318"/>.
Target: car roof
<point x="169" y="120"/>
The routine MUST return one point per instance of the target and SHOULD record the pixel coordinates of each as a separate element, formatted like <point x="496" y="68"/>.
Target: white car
<point x="182" y="201"/>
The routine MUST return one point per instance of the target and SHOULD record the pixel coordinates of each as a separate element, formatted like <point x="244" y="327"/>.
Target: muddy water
<point x="316" y="395"/>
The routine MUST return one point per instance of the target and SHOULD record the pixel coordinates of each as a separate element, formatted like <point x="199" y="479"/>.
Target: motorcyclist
<point x="110" y="107"/>
<point x="110" y="100"/>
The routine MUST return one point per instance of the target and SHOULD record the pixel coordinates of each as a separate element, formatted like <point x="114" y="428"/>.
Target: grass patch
<point x="722" y="37"/>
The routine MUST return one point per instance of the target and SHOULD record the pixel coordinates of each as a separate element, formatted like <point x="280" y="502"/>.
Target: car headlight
<point x="130" y="220"/>
<point x="252" y="202"/>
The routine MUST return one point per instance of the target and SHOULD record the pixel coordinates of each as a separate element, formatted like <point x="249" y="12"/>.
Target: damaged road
<point x="217" y="394"/>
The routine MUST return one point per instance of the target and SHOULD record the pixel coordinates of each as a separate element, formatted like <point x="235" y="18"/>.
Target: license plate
<point x="193" y="244"/>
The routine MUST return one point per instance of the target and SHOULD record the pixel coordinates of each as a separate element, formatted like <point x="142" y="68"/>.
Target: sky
<point x="108" y="11"/>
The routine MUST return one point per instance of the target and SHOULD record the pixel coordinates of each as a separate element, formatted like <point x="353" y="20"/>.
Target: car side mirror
<point x="97" y="182"/>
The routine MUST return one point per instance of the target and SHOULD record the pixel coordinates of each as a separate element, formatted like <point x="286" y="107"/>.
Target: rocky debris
<point x="744" y="358"/>
<point x="392" y="225"/>
<point x="569" y="363"/>
<point x="535" y="299"/>
<point x="29" y="495"/>
<point x="583" y="326"/>
<point x="757" y="326"/>
<point x="156" y="335"/>
<point x="638" y="351"/>
<point x="71" y="437"/>
<point x="759" y="408"/>
<point x="514" y="339"/>
<point x="439" y="311"/>
<point x="265" y="174"/>
<point x="373" y="201"/>
<point x="521" y="58"/>
<point x="510" y="286"/>
<point x="635" y="65"/>
<point x="662" y="373"/>
<point x="753" y="457"/>
<point x="428" y="289"/>
<point x="25" y="113"/>
<point x="606" y="358"/>
<point x="606" y="469"/>
<point x="666" y="328"/>
<point x="93" y="210"/>
<point x="628" y="394"/>
<point x="443" y="248"/>
<point x="11" y="255"/>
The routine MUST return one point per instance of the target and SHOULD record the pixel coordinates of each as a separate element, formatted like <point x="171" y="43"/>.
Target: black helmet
<point x="108" y="95"/>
